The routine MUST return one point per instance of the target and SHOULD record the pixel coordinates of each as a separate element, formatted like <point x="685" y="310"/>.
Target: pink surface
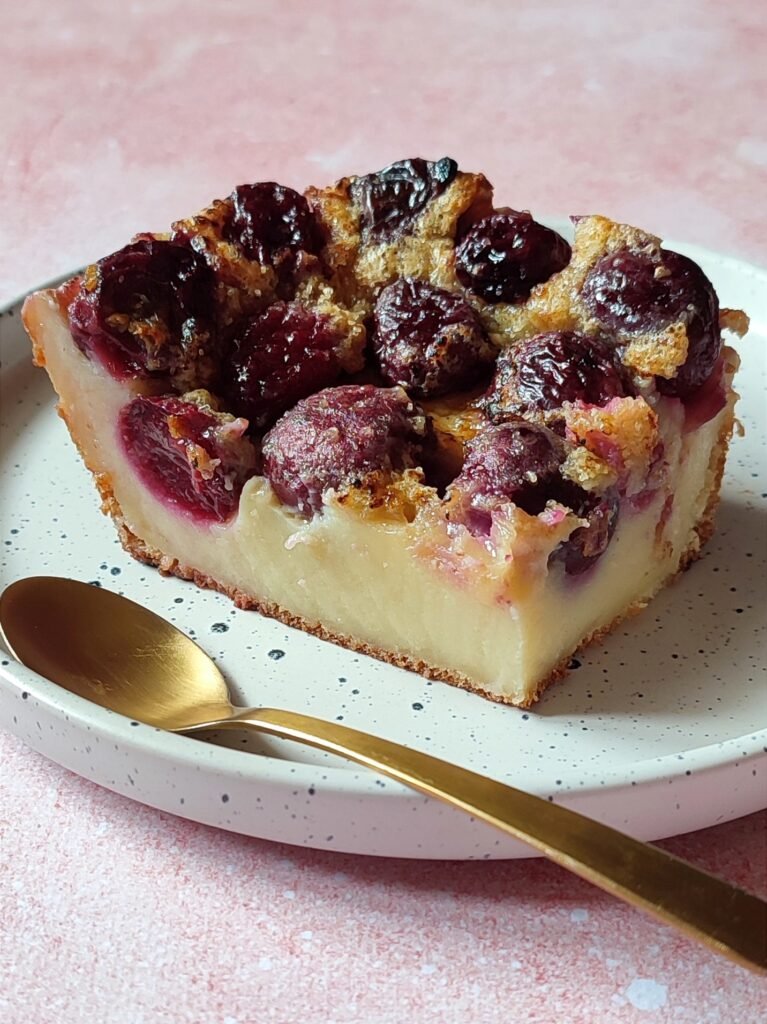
<point x="121" y="117"/>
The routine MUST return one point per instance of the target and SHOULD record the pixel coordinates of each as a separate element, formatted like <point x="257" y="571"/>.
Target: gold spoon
<point x="122" y="656"/>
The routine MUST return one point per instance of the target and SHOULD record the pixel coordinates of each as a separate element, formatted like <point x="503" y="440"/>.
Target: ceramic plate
<point x="660" y="730"/>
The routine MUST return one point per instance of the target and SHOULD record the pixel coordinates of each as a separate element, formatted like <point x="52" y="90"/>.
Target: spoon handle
<point x="724" y="917"/>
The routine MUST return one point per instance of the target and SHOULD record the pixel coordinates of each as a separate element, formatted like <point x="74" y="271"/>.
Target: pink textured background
<point x="120" y="117"/>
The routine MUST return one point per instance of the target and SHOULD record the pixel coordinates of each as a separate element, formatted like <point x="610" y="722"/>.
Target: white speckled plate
<point x="661" y="730"/>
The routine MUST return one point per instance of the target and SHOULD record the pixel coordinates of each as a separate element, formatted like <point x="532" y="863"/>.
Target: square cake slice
<point x="401" y="418"/>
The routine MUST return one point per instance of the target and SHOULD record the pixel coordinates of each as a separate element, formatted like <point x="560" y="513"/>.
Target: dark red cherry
<point x="282" y="355"/>
<point x="540" y="374"/>
<point x="503" y="256"/>
<point x="391" y="199"/>
<point x="586" y="544"/>
<point x="518" y="463"/>
<point x="273" y="224"/>
<point x="634" y="292"/>
<point x="511" y="462"/>
<point x="337" y="437"/>
<point x="428" y="340"/>
<point x="187" y="455"/>
<point x="147" y="311"/>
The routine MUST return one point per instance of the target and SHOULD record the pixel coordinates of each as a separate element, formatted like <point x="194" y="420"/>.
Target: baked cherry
<point x="586" y="544"/>
<point x="540" y="374"/>
<point x="147" y="311"/>
<point x="391" y="199"/>
<point x="339" y="437"/>
<point x="190" y="456"/>
<point x="503" y="256"/>
<point x="428" y="340"/>
<point x="635" y="292"/>
<point x="510" y="462"/>
<point x="281" y="356"/>
<point x="519" y="463"/>
<point x="273" y="224"/>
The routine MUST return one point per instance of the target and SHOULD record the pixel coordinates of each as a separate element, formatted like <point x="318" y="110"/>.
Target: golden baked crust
<point x="244" y="286"/>
<point x="556" y="305"/>
<point x="247" y="287"/>
<point x="622" y="435"/>
<point x="362" y="266"/>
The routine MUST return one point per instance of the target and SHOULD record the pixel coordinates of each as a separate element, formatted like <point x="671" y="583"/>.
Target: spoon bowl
<point x="118" y="654"/>
<point x="113" y="652"/>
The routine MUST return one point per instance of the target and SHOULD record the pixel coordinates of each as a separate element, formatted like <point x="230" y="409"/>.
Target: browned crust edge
<point x="701" y="534"/>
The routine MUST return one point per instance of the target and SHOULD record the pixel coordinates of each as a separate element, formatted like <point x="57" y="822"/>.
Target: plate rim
<point x="351" y="780"/>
